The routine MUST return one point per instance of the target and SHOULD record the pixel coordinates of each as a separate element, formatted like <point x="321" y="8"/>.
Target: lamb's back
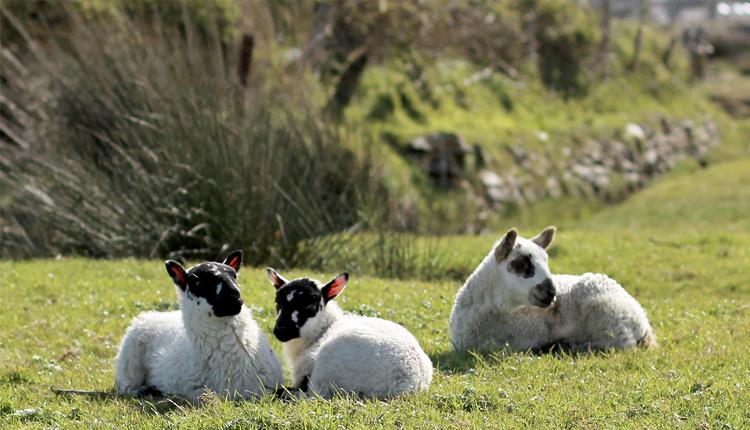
<point x="595" y="311"/>
<point x="156" y="330"/>
<point x="373" y="357"/>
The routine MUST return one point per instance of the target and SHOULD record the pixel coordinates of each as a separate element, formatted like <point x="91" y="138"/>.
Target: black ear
<point x="177" y="272"/>
<point x="334" y="287"/>
<point x="277" y="280"/>
<point x="234" y="260"/>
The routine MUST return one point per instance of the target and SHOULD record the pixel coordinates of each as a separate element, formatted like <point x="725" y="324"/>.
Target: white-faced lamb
<point x="513" y="301"/>
<point x="212" y="343"/>
<point x="331" y="351"/>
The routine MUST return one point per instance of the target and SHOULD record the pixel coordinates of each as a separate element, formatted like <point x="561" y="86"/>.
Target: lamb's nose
<point x="547" y="286"/>
<point x="543" y="293"/>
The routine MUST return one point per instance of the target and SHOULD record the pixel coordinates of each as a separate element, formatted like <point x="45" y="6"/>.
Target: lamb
<point x="211" y="343"/>
<point x="512" y="300"/>
<point x="331" y="351"/>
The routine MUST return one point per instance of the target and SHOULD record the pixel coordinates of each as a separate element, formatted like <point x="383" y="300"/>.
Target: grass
<point x="681" y="247"/>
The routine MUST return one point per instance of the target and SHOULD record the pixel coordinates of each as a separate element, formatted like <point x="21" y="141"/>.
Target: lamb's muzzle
<point x="543" y="293"/>
<point x="284" y="333"/>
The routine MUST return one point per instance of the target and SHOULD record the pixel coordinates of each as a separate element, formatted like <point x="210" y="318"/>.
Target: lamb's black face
<point x="296" y="302"/>
<point x="212" y="283"/>
<point x="217" y="284"/>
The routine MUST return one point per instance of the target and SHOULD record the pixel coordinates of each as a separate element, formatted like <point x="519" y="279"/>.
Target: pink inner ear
<point x="178" y="274"/>
<point x="336" y="287"/>
<point x="234" y="263"/>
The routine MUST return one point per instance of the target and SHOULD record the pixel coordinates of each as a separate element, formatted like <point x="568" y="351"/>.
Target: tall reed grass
<point x="131" y="138"/>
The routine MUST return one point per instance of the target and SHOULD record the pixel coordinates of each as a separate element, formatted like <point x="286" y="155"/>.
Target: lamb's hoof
<point x="149" y="391"/>
<point x="285" y="394"/>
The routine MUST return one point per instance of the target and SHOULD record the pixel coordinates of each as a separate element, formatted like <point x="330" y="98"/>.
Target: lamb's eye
<point x="522" y="266"/>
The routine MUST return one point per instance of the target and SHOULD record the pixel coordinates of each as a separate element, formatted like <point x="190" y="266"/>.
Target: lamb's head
<point x="523" y="270"/>
<point x="300" y="304"/>
<point x="209" y="287"/>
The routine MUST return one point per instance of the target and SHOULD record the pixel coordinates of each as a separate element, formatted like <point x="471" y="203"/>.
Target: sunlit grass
<point x="682" y="248"/>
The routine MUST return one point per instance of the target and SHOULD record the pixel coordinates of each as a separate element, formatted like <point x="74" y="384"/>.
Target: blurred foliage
<point x="127" y="130"/>
<point x="43" y="17"/>
<point x="152" y="148"/>
<point x="566" y="39"/>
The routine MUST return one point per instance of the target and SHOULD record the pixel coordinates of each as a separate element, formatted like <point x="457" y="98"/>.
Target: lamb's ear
<point x="234" y="260"/>
<point x="502" y="250"/>
<point x="544" y="239"/>
<point x="277" y="280"/>
<point x="177" y="272"/>
<point x="334" y="287"/>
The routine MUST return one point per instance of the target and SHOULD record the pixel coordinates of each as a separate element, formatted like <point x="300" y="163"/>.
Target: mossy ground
<point x="682" y="248"/>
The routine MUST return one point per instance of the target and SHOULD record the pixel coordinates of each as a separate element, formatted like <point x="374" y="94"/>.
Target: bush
<point x="566" y="37"/>
<point x="138" y="141"/>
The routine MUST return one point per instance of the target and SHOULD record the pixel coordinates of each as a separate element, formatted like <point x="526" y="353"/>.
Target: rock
<point x="26" y="413"/>
<point x="520" y="156"/>
<point x="553" y="187"/>
<point x="497" y="189"/>
<point x="596" y="176"/>
<point x="634" y="132"/>
<point x="441" y="155"/>
<point x="420" y="144"/>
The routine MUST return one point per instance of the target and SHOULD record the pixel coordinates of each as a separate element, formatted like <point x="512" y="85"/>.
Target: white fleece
<point x="186" y="352"/>
<point x="370" y="357"/>
<point x="590" y="312"/>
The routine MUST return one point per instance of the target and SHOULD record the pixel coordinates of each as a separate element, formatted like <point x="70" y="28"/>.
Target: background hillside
<point x="395" y="140"/>
<point x="307" y="132"/>
<point x="681" y="249"/>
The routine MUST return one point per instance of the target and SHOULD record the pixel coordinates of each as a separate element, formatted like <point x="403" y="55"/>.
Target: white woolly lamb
<point x="512" y="300"/>
<point x="212" y="343"/>
<point x="331" y="351"/>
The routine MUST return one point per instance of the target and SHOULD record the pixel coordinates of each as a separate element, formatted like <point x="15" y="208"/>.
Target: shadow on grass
<point x="149" y="402"/>
<point x="465" y="362"/>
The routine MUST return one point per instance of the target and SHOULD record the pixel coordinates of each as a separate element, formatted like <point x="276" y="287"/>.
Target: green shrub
<point x="40" y="17"/>
<point x="566" y="37"/>
<point x="143" y="144"/>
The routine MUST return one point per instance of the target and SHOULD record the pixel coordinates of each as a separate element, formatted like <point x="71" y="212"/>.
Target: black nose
<point x="283" y="333"/>
<point x="228" y="306"/>
<point x="543" y="293"/>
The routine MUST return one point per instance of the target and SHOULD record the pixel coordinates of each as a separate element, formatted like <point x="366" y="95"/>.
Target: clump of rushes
<point x="126" y="137"/>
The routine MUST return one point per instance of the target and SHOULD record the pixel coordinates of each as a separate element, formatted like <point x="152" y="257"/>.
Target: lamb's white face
<point x="524" y="270"/>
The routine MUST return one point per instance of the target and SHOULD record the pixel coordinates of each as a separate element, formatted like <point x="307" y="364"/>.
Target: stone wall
<point x="608" y="168"/>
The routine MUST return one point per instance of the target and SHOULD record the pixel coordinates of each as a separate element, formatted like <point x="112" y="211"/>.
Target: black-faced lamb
<point x="211" y="343"/>
<point x="512" y="300"/>
<point x="331" y="351"/>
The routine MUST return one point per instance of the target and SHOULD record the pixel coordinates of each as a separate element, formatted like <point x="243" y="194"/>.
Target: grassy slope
<point x="493" y="109"/>
<point x="682" y="248"/>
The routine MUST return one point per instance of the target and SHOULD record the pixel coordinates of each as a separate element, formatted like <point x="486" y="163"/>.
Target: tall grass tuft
<point x="127" y="138"/>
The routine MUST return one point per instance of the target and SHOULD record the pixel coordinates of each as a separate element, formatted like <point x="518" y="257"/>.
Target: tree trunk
<point x="642" y="14"/>
<point x="606" y="44"/>
<point x="348" y="81"/>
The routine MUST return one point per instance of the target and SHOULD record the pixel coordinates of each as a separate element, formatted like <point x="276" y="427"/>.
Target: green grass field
<point x="682" y="248"/>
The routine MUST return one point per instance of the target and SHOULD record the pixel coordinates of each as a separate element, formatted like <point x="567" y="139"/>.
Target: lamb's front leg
<point x="303" y="368"/>
<point x="130" y="371"/>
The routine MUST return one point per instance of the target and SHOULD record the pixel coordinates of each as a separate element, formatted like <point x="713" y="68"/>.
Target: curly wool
<point x="187" y="352"/>
<point x="590" y="312"/>
<point x="370" y="357"/>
